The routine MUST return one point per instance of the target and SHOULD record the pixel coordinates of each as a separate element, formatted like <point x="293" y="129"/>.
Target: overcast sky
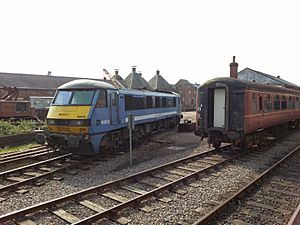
<point x="193" y="40"/>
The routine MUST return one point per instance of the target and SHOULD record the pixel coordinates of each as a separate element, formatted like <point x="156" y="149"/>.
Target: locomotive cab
<point x="72" y="122"/>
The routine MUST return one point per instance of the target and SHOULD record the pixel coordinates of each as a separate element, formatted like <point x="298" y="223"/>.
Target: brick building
<point x="188" y="93"/>
<point x="32" y="85"/>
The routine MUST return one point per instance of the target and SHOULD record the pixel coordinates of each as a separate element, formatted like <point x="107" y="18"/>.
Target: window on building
<point x="268" y="104"/>
<point x="283" y="103"/>
<point x="102" y="99"/>
<point x="276" y="102"/>
<point x="254" y="102"/>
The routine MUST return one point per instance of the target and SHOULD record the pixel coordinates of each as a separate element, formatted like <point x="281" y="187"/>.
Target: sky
<point x="192" y="39"/>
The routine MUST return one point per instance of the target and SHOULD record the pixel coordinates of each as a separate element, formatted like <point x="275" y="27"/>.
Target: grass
<point x="18" y="127"/>
<point x="17" y="148"/>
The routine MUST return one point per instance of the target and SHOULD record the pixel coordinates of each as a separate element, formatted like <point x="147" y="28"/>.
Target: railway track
<point x="14" y="160"/>
<point x="11" y="180"/>
<point x="273" y="197"/>
<point x="158" y="179"/>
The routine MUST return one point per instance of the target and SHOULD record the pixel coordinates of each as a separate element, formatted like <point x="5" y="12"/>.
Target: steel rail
<point x="210" y="215"/>
<point x="19" y="169"/>
<point x="4" y="156"/>
<point x="116" y="183"/>
<point x="26" y="156"/>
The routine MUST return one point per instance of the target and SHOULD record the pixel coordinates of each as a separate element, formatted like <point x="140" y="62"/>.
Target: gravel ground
<point x="145" y="157"/>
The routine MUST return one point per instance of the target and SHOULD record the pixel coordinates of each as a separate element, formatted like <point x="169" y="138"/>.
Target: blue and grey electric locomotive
<point x="87" y="116"/>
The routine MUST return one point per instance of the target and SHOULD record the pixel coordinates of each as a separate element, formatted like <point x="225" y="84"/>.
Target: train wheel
<point x="217" y="144"/>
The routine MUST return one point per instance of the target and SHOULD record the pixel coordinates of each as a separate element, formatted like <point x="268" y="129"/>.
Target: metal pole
<point x="130" y="145"/>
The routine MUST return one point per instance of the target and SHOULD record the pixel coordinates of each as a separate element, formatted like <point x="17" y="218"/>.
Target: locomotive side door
<point x="219" y="107"/>
<point x="114" y="107"/>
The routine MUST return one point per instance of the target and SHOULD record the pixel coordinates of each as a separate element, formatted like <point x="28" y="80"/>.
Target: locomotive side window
<point x="164" y="102"/>
<point x="102" y="100"/>
<point x="113" y="99"/>
<point x="128" y="103"/>
<point x="139" y="102"/>
<point x="157" y="102"/>
<point x="174" y="102"/>
<point x="149" y="102"/>
<point x="283" y="103"/>
<point x="268" y="104"/>
<point x="276" y="102"/>
<point x="254" y="102"/>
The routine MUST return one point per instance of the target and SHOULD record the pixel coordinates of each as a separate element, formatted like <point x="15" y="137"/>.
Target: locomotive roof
<point x="245" y="84"/>
<point x="150" y="93"/>
<point x="86" y="84"/>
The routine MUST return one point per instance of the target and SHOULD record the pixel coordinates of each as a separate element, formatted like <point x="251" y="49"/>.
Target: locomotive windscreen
<point x="77" y="97"/>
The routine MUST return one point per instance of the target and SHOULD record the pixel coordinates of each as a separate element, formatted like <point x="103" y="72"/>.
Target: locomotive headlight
<point x="50" y="122"/>
<point x="80" y="123"/>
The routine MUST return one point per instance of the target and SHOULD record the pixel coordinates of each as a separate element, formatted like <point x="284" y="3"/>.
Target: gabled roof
<point x="136" y="81"/>
<point x="34" y="81"/>
<point x="183" y="82"/>
<point x="158" y="83"/>
<point x="274" y="78"/>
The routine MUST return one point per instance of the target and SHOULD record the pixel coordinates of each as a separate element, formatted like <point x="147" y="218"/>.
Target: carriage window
<point x="297" y="104"/>
<point x="260" y="103"/>
<point x="290" y="103"/>
<point x="128" y="103"/>
<point x="277" y="102"/>
<point x="254" y="103"/>
<point x="102" y="100"/>
<point x="21" y="107"/>
<point x="268" y="104"/>
<point x="283" y="103"/>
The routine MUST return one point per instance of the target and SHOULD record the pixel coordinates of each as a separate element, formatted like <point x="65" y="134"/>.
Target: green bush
<point x="18" y="127"/>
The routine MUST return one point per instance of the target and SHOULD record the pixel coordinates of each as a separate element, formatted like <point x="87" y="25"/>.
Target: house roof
<point x="136" y="81"/>
<point x="158" y="83"/>
<point x="183" y="82"/>
<point x="276" y="79"/>
<point x="34" y="81"/>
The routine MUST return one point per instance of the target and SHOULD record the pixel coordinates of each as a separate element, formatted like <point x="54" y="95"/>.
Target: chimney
<point x="233" y="69"/>
<point x="157" y="72"/>
<point x="140" y="73"/>
<point x="49" y="73"/>
<point x="116" y="72"/>
<point x="133" y="69"/>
